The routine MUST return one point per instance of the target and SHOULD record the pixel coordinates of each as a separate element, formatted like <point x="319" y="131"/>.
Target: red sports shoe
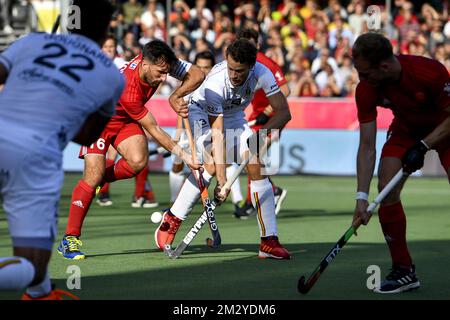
<point x="167" y="230"/>
<point x="56" y="294"/>
<point x="271" y="248"/>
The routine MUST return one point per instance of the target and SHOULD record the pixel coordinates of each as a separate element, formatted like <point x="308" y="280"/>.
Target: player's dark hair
<point x="373" y="47"/>
<point x="242" y="51"/>
<point x="156" y="51"/>
<point x="94" y="19"/>
<point x="206" y="55"/>
<point x="250" y="34"/>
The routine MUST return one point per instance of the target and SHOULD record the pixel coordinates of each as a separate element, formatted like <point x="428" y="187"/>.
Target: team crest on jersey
<point x="134" y="65"/>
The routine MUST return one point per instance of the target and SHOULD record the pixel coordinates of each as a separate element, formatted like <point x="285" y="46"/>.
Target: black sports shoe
<point x="399" y="280"/>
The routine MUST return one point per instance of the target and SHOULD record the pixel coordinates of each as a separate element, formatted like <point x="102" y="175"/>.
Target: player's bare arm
<point x="193" y="79"/>
<point x="149" y="123"/>
<point x="365" y="165"/>
<point x="218" y="153"/>
<point x="282" y="114"/>
<point x="269" y="110"/>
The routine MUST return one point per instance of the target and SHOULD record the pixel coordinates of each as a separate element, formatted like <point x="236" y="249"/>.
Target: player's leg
<point x="236" y="193"/>
<point x="262" y="195"/>
<point x="263" y="200"/>
<point x="393" y="219"/>
<point x="104" y="197"/>
<point x="131" y="143"/>
<point x="176" y="178"/>
<point x="82" y="196"/>
<point x="143" y="193"/>
<point x="190" y="192"/>
<point x="32" y="231"/>
<point x="176" y="174"/>
<point x="84" y="191"/>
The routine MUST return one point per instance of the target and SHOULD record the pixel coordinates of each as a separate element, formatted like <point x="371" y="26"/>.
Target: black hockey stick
<point x="304" y="286"/>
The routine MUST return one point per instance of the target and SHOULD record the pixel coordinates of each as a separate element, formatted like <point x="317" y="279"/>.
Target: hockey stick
<point x="304" y="286"/>
<point x="56" y="24"/>
<point x="175" y="253"/>
<point x="160" y="150"/>
<point x="164" y="152"/>
<point x="207" y="203"/>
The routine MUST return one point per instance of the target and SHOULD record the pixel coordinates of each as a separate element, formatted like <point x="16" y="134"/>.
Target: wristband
<point x="362" y="196"/>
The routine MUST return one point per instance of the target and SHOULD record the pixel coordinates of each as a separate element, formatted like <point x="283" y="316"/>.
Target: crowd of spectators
<point x="311" y="39"/>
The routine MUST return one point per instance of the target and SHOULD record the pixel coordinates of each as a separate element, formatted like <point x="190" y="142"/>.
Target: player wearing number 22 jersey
<point x="57" y="88"/>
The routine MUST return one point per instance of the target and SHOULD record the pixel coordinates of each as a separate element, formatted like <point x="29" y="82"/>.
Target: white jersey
<point x="217" y="95"/>
<point x="54" y="82"/>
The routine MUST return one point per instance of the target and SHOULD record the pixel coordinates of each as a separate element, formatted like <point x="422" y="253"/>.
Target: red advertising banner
<point x="307" y="113"/>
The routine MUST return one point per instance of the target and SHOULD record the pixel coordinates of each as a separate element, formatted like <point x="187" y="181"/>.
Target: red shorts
<point x="114" y="133"/>
<point x="399" y="141"/>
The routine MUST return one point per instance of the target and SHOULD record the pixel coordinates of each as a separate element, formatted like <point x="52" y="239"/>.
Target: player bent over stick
<point x="124" y="131"/>
<point x="417" y="89"/>
<point x="219" y="105"/>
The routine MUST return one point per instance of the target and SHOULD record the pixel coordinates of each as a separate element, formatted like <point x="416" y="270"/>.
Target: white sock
<point x="188" y="196"/>
<point x="236" y="194"/>
<point x="16" y="273"/>
<point x="176" y="182"/>
<point x="41" y="289"/>
<point x="263" y="200"/>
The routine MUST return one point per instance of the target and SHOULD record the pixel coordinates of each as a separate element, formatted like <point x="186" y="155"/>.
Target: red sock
<point x="249" y="194"/>
<point x="121" y="170"/>
<point x="82" y="196"/>
<point x="105" y="188"/>
<point x="393" y="223"/>
<point x="141" y="180"/>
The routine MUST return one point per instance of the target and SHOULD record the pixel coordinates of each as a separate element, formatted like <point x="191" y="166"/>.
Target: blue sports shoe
<point x="70" y="248"/>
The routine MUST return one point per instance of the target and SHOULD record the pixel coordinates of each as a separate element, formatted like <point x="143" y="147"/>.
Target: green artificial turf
<point x="122" y="262"/>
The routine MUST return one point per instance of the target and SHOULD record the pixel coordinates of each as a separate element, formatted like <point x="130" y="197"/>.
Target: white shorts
<point x="237" y="133"/>
<point x="30" y="185"/>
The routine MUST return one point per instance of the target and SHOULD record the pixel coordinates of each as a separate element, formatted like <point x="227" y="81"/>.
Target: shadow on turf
<point x="227" y="274"/>
<point x="246" y="277"/>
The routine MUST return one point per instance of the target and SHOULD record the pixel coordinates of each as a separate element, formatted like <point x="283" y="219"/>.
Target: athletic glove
<point x="262" y="119"/>
<point x="414" y="157"/>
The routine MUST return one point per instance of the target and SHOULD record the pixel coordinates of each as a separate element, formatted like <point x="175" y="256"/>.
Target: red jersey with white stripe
<point x="260" y="101"/>
<point x="417" y="101"/>
<point x="131" y="106"/>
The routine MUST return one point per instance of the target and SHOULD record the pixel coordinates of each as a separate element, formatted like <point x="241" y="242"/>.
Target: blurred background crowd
<point x="310" y="39"/>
